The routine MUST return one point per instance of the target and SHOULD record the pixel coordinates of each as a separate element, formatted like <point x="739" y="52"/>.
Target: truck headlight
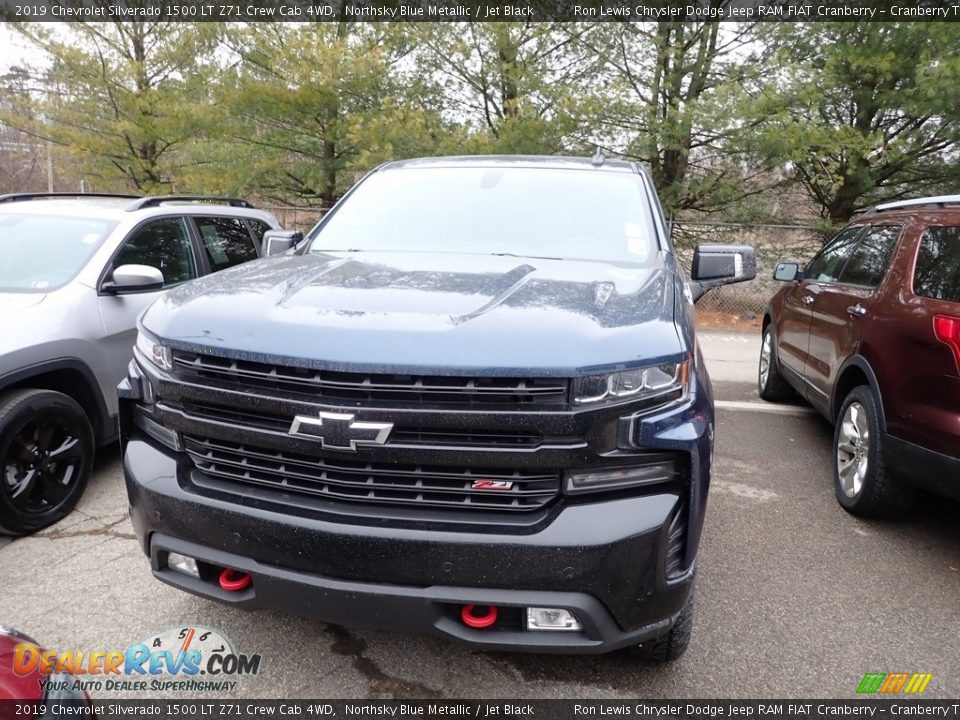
<point x="618" y="478"/>
<point x="658" y="383"/>
<point x="154" y="351"/>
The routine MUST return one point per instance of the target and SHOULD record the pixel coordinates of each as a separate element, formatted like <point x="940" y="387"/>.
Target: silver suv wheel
<point x="853" y="449"/>
<point x="860" y="478"/>
<point x="771" y="385"/>
<point x="765" y="350"/>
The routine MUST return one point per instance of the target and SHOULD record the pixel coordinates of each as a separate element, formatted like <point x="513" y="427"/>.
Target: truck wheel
<point x="46" y="454"/>
<point x="771" y="385"/>
<point x="860" y="477"/>
<point x="673" y="645"/>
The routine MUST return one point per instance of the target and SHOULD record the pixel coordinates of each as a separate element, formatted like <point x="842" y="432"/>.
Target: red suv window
<point x="937" y="274"/>
<point x="868" y="263"/>
<point x="826" y="266"/>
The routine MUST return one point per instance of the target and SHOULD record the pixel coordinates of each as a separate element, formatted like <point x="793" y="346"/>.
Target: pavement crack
<point x="84" y="549"/>
<point x="103" y="530"/>
<point x="347" y="644"/>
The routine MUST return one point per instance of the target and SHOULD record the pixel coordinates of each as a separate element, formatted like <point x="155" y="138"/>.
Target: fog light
<point x="183" y="564"/>
<point x="551" y="619"/>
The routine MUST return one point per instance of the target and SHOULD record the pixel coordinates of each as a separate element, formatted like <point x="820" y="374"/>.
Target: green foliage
<point x="676" y="93"/>
<point x="313" y="106"/>
<point x="121" y="98"/>
<point x="729" y="117"/>
<point x="517" y="87"/>
<point x="863" y="112"/>
<point x="22" y="157"/>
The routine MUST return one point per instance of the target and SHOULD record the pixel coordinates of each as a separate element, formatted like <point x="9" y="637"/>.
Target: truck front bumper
<point x="603" y="561"/>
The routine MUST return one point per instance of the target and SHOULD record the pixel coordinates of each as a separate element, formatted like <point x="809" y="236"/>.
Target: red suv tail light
<point x="947" y="330"/>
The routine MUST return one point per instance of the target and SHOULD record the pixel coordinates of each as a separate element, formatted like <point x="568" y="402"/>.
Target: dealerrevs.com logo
<point x="189" y="659"/>
<point x="894" y="683"/>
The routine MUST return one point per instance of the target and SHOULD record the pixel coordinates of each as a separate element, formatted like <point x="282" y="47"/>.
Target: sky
<point x="13" y="48"/>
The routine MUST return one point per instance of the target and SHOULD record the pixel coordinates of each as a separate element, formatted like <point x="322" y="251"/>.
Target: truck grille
<point x="410" y="390"/>
<point x="401" y="435"/>
<point x="375" y="483"/>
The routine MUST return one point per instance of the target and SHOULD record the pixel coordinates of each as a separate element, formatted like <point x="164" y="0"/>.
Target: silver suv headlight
<point x="154" y="351"/>
<point x="665" y="382"/>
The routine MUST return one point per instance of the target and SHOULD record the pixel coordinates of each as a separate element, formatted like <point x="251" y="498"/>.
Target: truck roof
<point x="526" y="161"/>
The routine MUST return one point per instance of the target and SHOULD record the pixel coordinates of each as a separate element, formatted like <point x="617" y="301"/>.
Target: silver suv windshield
<point x="39" y="253"/>
<point x="529" y="212"/>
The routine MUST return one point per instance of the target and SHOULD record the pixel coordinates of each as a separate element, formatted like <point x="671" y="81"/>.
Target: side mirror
<point x="133" y="279"/>
<point x="716" y="265"/>
<point x="276" y="242"/>
<point x="787" y="272"/>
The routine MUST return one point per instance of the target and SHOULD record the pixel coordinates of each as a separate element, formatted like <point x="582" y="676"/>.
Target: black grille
<point x="353" y="387"/>
<point x="375" y="483"/>
<point x="400" y="435"/>
<point x="466" y="438"/>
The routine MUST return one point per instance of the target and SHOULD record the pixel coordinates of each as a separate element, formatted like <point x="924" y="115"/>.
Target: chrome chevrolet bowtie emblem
<point x="339" y="431"/>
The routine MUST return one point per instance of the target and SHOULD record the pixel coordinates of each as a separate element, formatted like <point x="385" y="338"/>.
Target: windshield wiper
<point x="531" y="257"/>
<point x="446" y="252"/>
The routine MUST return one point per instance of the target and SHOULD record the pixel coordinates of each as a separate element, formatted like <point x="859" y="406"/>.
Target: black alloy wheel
<point x="46" y="455"/>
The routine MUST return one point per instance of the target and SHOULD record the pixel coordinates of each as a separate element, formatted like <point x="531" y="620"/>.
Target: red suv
<point x="869" y="333"/>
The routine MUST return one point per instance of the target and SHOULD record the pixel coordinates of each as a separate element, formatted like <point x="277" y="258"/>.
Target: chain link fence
<point x="740" y="306"/>
<point x="733" y="307"/>
<point x="295" y="217"/>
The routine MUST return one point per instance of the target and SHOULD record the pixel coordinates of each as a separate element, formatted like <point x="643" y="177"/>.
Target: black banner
<point x="478" y="10"/>
<point x="208" y="709"/>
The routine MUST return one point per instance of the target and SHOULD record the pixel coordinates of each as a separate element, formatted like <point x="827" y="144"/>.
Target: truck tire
<point x="46" y="455"/>
<point x="673" y="645"/>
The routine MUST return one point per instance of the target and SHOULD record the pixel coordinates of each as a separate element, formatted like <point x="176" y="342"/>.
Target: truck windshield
<point x="582" y="214"/>
<point x="41" y="252"/>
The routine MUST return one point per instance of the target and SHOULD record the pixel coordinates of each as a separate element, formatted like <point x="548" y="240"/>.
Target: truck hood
<point x="417" y="313"/>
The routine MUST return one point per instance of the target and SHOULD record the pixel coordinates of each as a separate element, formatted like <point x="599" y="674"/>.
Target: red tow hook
<point x="470" y="619"/>
<point x="233" y="581"/>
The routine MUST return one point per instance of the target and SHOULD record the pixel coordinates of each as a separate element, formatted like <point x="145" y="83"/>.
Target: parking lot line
<point x="763" y="407"/>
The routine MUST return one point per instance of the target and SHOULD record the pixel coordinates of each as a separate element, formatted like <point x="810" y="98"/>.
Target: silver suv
<point x="75" y="272"/>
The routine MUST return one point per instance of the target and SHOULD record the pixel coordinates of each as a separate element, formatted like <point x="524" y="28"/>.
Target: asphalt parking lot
<point x="796" y="598"/>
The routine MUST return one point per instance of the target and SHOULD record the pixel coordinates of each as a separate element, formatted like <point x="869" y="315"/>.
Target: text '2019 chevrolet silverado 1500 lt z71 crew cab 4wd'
<point x="470" y="403"/>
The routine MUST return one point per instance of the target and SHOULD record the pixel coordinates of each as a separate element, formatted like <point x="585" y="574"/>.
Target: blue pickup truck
<point x="469" y="402"/>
